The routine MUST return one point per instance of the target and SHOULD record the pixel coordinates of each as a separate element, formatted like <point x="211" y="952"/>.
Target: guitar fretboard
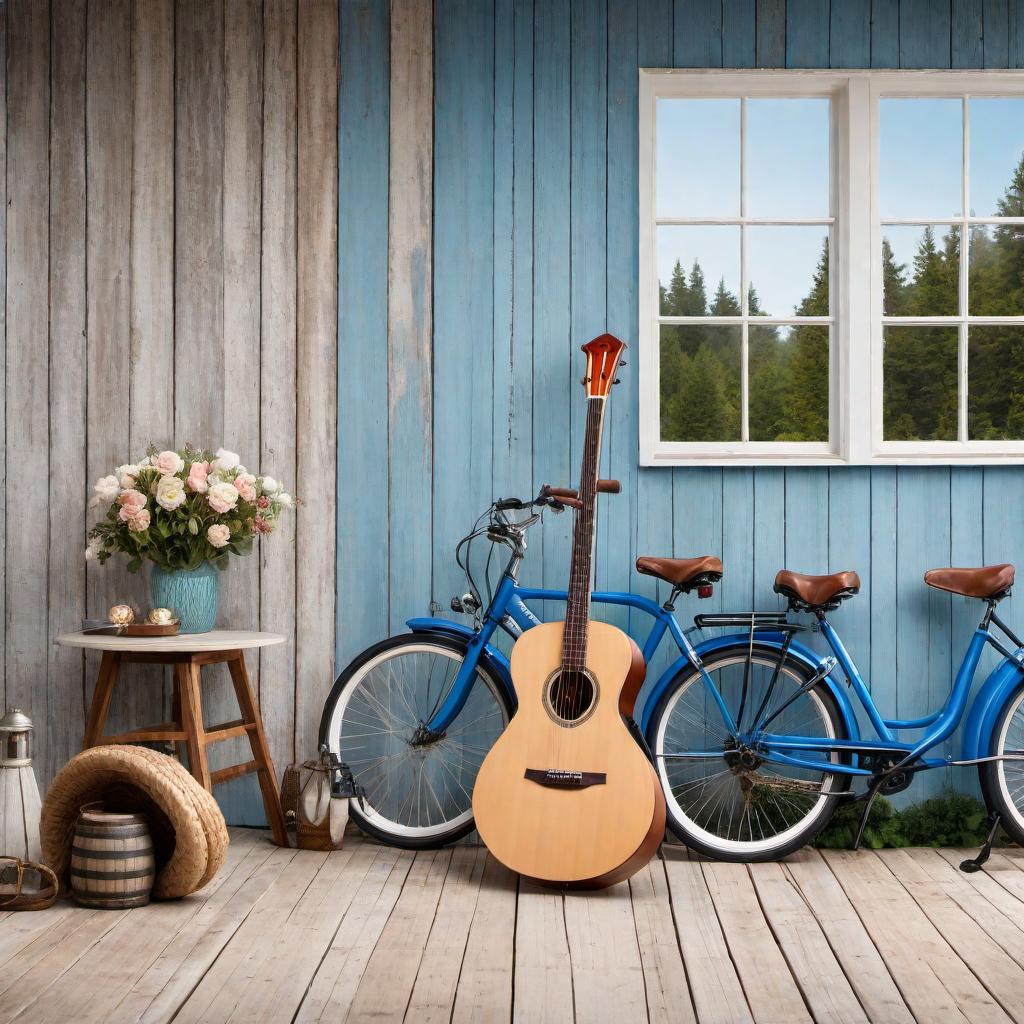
<point x="574" y="642"/>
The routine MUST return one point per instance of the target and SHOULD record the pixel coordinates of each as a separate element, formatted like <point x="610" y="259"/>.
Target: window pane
<point x="789" y="383"/>
<point x="919" y="399"/>
<point x="699" y="271"/>
<point x="921" y="270"/>
<point x="920" y="146"/>
<point x="995" y="383"/>
<point x="698" y="158"/>
<point x="700" y="383"/>
<point x="788" y="271"/>
<point x="788" y="158"/>
<point x="995" y="286"/>
<point x="997" y="157"/>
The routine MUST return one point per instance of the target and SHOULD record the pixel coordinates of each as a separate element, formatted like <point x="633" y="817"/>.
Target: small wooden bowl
<point x="151" y="629"/>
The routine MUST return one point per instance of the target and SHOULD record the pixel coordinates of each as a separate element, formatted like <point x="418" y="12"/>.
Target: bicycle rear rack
<point x="767" y="622"/>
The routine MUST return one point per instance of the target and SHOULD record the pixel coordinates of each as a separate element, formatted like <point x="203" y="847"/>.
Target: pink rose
<point x="139" y="521"/>
<point x="261" y="525"/>
<point x="168" y="463"/>
<point x="263" y="502"/>
<point x="132" y="499"/>
<point x="245" y="484"/>
<point x="197" y="477"/>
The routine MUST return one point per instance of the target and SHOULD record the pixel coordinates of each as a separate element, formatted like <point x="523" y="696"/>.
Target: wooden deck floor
<point x="372" y="933"/>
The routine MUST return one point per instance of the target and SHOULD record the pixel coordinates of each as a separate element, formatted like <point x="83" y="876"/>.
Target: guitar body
<point x="571" y="803"/>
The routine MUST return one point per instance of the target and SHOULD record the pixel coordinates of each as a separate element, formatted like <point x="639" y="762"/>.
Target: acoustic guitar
<point x="566" y="796"/>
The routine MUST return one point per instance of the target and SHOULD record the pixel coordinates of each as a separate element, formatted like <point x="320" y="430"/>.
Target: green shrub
<point x="952" y="819"/>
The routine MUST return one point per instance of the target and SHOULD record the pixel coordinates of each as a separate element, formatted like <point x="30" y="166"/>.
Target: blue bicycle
<point x="754" y="736"/>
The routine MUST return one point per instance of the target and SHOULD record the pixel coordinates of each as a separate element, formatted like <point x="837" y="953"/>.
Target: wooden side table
<point x="188" y="653"/>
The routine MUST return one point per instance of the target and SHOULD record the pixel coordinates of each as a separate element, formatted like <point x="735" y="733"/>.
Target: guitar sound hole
<point x="571" y="696"/>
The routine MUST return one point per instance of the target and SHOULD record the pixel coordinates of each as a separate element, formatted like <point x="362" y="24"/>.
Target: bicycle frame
<point x="508" y="610"/>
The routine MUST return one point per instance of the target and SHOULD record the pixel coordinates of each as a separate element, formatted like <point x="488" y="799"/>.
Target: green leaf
<point x="193" y="525"/>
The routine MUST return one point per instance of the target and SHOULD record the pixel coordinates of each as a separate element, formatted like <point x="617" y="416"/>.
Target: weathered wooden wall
<point x="171" y="276"/>
<point x="530" y="249"/>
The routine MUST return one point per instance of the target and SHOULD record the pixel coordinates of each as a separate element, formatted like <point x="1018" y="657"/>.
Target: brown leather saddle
<point x="989" y="582"/>
<point x="684" y="574"/>
<point x="816" y="592"/>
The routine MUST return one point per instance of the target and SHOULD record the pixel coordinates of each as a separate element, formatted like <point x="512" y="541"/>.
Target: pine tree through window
<point x="832" y="267"/>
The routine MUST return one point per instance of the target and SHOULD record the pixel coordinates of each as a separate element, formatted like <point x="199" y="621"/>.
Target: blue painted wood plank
<point x="807" y="33"/>
<point x="1003" y="537"/>
<point x="738" y="529"/>
<point x="739" y="33"/>
<point x="967" y="34"/>
<point x="884" y="556"/>
<point x="807" y="525"/>
<point x="966" y="506"/>
<point x="996" y="34"/>
<point x="849" y="547"/>
<point x="619" y="513"/>
<point x="362" y="553"/>
<point x="556" y="367"/>
<point x="925" y="34"/>
<point x="771" y="33"/>
<point x="697" y="507"/>
<point x="770" y="535"/>
<point x="463" y="278"/>
<point x="923" y="616"/>
<point x="512" y="471"/>
<point x="588" y="229"/>
<point x="1016" y="33"/>
<point x="697" y="36"/>
<point x="885" y="33"/>
<point x="850" y="34"/>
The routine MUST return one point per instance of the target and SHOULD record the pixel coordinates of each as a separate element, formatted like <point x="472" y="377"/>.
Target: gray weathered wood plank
<point x="68" y="351"/>
<point x="316" y="370"/>
<point x="277" y="367"/>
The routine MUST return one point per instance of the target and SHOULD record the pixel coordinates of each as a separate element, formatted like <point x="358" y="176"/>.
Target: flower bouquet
<point x="186" y="512"/>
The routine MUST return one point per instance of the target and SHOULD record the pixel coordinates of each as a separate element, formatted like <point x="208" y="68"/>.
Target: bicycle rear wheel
<point x="733" y="804"/>
<point x="1002" y="782"/>
<point x="418" y="786"/>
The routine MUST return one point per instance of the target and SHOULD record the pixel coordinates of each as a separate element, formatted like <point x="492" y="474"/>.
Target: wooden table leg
<point x="109" y="665"/>
<point x="187" y="678"/>
<point x="260" y="751"/>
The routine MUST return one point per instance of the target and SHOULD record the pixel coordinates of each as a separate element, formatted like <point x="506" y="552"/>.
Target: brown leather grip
<point x="603" y="487"/>
<point x="608" y="487"/>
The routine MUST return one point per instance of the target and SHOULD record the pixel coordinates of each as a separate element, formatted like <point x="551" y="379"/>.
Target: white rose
<point x="218" y="535"/>
<point x="222" y="497"/>
<point x="269" y="485"/>
<point x="93" y="550"/>
<point x="107" y="488"/>
<point x="284" y="498"/>
<point x="170" y="492"/>
<point x="225" y="460"/>
<point x="127" y="475"/>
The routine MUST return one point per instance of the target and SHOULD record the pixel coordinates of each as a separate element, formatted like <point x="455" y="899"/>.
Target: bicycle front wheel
<point x="419" y="785"/>
<point x="1002" y="782"/>
<point x="733" y="803"/>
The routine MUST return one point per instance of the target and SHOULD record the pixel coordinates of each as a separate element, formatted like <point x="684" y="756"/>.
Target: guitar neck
<point x="574" y="643"/>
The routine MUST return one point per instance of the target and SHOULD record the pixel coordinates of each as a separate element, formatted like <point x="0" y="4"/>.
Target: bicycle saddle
<point x="985" y="582"/>
<point x="816" y="591"/>
<point x="684" y="573"/>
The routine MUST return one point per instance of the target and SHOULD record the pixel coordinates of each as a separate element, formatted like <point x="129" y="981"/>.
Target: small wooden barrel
<point x="112" y="863"/>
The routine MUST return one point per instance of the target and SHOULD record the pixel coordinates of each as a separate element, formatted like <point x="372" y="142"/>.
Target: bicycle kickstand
<point x="975" y="863"/>
<point x="869" y="799"/>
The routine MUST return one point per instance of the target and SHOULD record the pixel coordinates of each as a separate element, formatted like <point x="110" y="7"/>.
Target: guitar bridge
<point x="561" y="778"/>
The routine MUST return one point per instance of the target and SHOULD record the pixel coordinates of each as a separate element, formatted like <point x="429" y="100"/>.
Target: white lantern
<point x="19" y="794"/>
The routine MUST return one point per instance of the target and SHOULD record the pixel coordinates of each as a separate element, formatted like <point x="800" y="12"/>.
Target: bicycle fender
<point x="1001" y="683"/>
<point x="492" y="658"/>
<point x="798" y="652"/>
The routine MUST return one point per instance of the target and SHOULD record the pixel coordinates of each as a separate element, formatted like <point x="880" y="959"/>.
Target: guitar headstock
<point x="603" y="354"/>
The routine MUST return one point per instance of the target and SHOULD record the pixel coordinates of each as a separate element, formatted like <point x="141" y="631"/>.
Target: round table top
<point x="182" y="643"/>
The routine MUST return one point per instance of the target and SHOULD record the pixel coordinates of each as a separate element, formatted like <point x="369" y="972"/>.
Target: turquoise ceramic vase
<point x="192" y="594"/>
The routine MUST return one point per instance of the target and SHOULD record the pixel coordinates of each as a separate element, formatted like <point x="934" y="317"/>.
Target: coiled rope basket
<point x="190" y="839"/>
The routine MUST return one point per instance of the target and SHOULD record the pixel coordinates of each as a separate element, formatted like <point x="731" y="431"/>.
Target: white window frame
<point x="855" y="365"/>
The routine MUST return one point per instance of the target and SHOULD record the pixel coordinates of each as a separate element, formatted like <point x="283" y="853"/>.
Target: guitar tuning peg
<point x="617" y="381"/>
